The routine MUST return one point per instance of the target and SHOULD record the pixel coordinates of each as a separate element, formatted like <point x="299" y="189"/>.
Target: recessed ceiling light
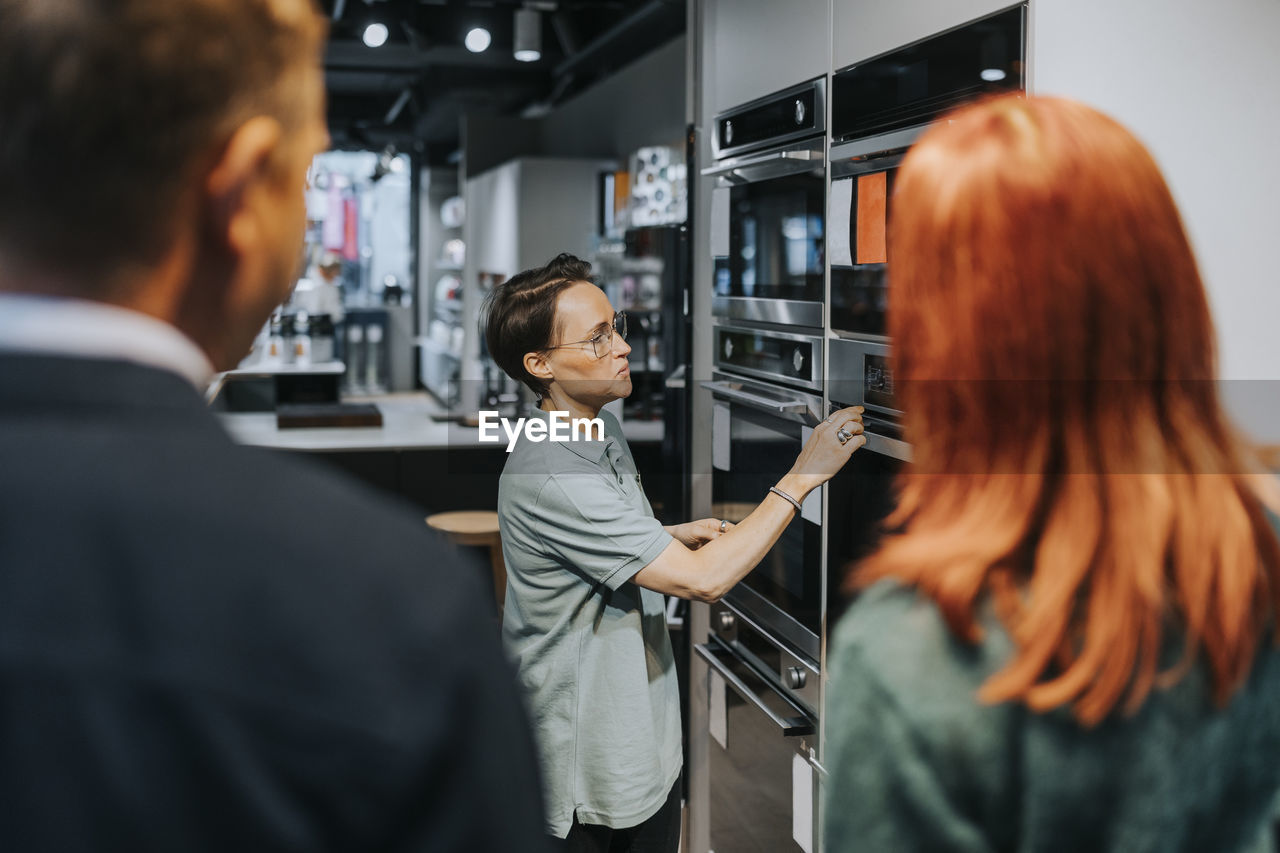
<point x="992" y="75"/>
<point x="477" y="40"/>
<point x="375" y="35"/>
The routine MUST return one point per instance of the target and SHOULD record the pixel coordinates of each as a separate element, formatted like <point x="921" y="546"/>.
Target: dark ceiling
<point x="412" y="91"/>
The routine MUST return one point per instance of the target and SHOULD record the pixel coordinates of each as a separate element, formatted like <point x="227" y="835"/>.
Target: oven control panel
<point x="861" y="375"/>
<point x="784" y="668"/>
<point x="791" y="358"/>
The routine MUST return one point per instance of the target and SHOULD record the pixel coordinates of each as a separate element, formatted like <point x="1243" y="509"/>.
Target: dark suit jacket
<point x="209" y="647"/>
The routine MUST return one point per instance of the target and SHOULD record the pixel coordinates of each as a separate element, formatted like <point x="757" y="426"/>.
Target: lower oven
<point x="758" y="430"/>
<point x="862" y="494"/>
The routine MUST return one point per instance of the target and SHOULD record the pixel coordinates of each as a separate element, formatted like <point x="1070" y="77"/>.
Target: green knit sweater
<point x="915" y="763"/>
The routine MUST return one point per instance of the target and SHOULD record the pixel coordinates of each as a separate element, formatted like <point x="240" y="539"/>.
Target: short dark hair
<point x="520" y="314"/>
<point x="108" y="109"/>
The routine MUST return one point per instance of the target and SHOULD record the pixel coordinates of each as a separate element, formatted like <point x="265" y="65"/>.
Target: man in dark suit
<point x="202" y="646"/>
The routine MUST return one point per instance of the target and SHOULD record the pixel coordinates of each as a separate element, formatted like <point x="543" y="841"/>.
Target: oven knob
<point x="728" y="348"/>
<point x="796" y="677"/>
<point x="727" y="621"/>
<point x="799" y="111"/>
<point x="797" y="359"/>
<point x="728" y="132"/>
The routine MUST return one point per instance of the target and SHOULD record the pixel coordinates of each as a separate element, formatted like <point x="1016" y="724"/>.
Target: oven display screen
<point x="877" y="382"/>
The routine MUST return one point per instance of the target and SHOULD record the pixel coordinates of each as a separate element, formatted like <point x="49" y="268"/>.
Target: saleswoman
<point x="588" y="564"/>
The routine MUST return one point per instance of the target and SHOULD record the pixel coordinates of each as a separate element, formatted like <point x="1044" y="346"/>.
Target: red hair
<point x="1054" y="357"/>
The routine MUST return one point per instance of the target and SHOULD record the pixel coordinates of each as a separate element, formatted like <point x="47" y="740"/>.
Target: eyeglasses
<point x="602" y="341"/>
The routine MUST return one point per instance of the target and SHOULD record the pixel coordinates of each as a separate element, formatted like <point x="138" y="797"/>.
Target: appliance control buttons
<point x="797" y="359"/>
<point x="727" y="620"/>
<point x="728" y="132"/>
<point x="796" y="677"/>
<point x="728" y="347"/>
<point x="799" y="111"/>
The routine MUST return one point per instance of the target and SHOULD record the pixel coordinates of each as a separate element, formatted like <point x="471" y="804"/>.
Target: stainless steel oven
<point x="768" y="209"/>
<point x="879" y="108"/>
<point x="758" y="430"/>
<point x="862" y="494"/>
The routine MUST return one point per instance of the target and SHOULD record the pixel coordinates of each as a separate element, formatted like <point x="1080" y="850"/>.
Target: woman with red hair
<point x="1068" y="640"/>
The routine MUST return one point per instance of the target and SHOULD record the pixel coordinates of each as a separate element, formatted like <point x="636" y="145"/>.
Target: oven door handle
<point x="795" y="726"/>
<point x="772" y="165"/>
<point x="755" y="401"/>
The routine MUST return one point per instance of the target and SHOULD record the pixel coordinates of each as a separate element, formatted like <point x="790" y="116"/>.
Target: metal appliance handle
<point x="755" y="401"/>
<point x="795" y="726"/>
<point x="772" y="164"/>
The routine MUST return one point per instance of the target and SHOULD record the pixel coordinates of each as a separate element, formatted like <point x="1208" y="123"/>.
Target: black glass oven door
<point x="776" y="239"/>
<point x="762" y="449"/>
<point x="859" y="498"/>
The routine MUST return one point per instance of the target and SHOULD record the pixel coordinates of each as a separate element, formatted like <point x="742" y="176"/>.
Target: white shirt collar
<point x="78" y="327"/>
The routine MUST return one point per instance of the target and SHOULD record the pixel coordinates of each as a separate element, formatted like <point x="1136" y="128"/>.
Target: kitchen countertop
<point x="407" y="424"/>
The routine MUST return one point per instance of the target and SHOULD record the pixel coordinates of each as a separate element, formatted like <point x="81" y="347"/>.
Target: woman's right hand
<point x="824" y="454"/>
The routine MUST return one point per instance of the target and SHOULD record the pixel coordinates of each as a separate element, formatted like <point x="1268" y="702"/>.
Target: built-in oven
<point x="763" y="648"/>
<point x="768" y="209"/>
<point x="878" y="109"/>
<point x="862" y="494"/>
<point x="766" y="399"/>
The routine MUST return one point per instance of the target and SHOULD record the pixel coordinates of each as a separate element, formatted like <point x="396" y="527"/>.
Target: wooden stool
<point x="477" y="527"/>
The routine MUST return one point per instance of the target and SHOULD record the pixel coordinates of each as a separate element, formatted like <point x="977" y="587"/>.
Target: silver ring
<point x="844" y="435"/>
<point x="724" y="525"/>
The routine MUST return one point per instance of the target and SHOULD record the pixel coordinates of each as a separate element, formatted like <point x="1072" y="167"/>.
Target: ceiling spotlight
<point x="477" y="40"/>
<point x="375" y="35"/>
<point x="528" y="40"/>
<point x="992" y="75"/>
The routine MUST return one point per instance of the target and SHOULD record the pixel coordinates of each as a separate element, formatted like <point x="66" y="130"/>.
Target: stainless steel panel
<point x="843" y="162"/>
<point x="772" y="164"/>
<point x="784" y="312"/>
<point x="732" y="391"/>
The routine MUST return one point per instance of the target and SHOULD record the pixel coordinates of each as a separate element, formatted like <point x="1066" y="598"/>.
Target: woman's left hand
<point x="694" y="534"/>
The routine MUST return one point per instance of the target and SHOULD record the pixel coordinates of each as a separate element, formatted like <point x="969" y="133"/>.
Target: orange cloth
<point x="872" y="191"/>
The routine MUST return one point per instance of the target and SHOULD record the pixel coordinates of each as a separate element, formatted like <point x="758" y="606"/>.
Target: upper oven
<point x="879" y="108"/>
<point x="768" y="209"/>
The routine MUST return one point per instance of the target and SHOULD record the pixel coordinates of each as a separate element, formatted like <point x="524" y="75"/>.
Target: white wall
<point x="1199" y="83"/>
<point x="560" y="208"/>
<point x="492" y="235"/>
<point x="761" y="46"/>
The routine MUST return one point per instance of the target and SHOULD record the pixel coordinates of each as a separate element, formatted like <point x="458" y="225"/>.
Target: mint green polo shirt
<point x="591" y="648"/>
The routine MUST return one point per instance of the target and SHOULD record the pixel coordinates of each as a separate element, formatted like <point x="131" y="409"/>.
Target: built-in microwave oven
<point x="768" y="210"/>
<point x="879" y="108"/>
